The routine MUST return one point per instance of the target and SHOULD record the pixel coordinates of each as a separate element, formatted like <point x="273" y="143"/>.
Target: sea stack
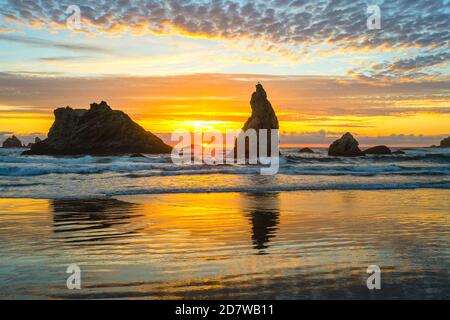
<point x="346" y="146"/>
<point x="263" y="117"/>
<point x="97" y="131"/>
<point x="12" y="142"/>
<point x="445" y="143"/>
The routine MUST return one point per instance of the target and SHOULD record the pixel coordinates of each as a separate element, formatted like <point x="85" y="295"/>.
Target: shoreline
<point x="143" y="195"/>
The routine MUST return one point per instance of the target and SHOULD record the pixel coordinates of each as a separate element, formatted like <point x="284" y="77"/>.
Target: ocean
<point x="145" y="228"/>
<point x="45" y="177"/>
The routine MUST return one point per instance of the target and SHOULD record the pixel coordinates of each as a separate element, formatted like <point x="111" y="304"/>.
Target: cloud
<point x="63" y="58"/>
<point x="37" y="42"/>
<point x="325" y="138"/>
<point x="411" y="68"/>
<point x="294" y="29"/>
<point x="314" y="100"/>
<point x="404" y="22"/>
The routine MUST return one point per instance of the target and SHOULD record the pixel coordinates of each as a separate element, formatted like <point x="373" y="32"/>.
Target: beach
<point x="229" y="245"/>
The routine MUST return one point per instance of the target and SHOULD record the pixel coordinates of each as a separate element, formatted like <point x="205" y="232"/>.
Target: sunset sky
<point x="183" y="64"/>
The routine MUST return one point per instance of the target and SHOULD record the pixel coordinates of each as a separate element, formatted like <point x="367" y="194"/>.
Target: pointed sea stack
<point x="12" y="142"/>
<point x="263" y="117"/>
<point x="346" y="146"/>
<point x="97" y="131"/>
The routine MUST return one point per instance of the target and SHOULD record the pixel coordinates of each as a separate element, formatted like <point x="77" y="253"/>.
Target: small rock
<point x="306" y="150"/>
<point x="399" y="152"/>
<point x="137" y="155"/>
<point x="378" y="150"/>
<point x="12" y="142"/>
<point x="346" y="146"/>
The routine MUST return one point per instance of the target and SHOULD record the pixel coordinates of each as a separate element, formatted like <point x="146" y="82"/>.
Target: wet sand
<point x="282" y="245"/>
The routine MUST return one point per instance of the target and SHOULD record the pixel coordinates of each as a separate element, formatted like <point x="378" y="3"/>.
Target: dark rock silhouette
<point x="263" y="117"/>
<point x="97" y="131"/>
<point x="445" y="143"/>
<point x="399" y="152"/>
<point x="306" y="150"/>
<point x="36" y="140"/>
<point x="378" y="150"/>
<point x="12" y="142"/>
<point x="137" y="155"/>
<point x="346" y="146"/>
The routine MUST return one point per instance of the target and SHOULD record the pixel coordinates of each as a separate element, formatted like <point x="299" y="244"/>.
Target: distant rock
<point x="306" y="150"/>
<point x="137" y="155"/>
<point x="378" y="150"/>
<point x="97" y="131"/>
<point x="346" y="146"/>
<point x="263" y="116"/>
<point x="36" y="140"/>
<point x="12" y="142"/>
<point x="445" y="143"/>
<point x="399" y="152"/>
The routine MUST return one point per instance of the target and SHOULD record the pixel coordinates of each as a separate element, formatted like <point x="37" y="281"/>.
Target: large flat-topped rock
<point x="97" y="131"/>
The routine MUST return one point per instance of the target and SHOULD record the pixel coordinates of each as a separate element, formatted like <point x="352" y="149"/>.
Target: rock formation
<point x="97" y="131"/>
<point x="399" y="152"/>
<point x="445" y="143"/>
<point x="263" y="116"/>
<point x="346" y="146"/>
<point x="378" y="150"/>
<point x="306" y="150"/>
<point x="36" y="140"/>
<point x="12" y="142"/>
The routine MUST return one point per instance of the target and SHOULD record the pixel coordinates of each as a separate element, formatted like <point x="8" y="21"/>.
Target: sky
<point x="183" y="64"/>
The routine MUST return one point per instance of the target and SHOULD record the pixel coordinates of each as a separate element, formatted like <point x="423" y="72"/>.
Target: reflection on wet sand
<point x="263" y="210"/>
<point x="89" y="220"/>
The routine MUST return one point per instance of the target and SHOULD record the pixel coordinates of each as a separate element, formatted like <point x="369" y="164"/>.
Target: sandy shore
<point x="229" y="245"/>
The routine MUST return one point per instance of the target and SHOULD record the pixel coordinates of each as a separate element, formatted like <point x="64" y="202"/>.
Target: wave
<point x="278" y="188"/>
<point x="426" y="157"/>
<point x="142" y="169"/>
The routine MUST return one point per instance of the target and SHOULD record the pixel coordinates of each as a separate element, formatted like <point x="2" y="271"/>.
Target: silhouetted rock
<point x="346" y="146"/>
<point x="12" y="142"/>
<point x="263" y="117"/>
<point x="97" y="131"/>
<point x="399" y="152"/>
<point x="378" y="150"/>
<point x="445" y="143"/>
<point x="36" y="140"/>
<point x="306" y="150"/>
<point x="137" y="155"/>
